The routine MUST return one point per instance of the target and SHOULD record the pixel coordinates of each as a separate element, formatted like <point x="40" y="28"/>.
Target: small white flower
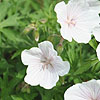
<point x="98" y="51"/>
<point x="86" y="91"/>
<point x="44" y="66"/>
<point x="76" y="20"/>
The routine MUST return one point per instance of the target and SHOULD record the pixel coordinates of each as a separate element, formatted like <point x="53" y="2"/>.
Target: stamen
<point x="70" y="22"/>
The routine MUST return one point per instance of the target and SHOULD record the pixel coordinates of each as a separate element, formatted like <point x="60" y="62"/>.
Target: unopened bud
<point x="36" y="34"/>
<point x="60" y="48"/>
<point x="29" y="28"/>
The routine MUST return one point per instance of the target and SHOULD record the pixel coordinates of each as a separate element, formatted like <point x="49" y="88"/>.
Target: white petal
<point x="34" y="74"/>
<point x="31" y="56"/>
<point x="66" y="34"/>
<point x="60" y="9"/>
<point x="61" y="67"/>
<point x="81" y="35"/>
<point x="47" y="48"/>
<point x="98" y="51"/>
<point x="96" y="33"/>
<point x="50" y="78"/>
<point x="74" y="93"/>
<point x="84" y="91"/>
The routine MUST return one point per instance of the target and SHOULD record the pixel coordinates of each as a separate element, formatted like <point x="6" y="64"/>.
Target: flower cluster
<point x="79" y="20"/>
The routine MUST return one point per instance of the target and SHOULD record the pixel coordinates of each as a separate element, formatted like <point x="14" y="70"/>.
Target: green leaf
<point x="93" y="43"/>
<point x="17" y="53"/>
<point x="86" y="66"/>
<point x="10" y="21"/>
<point x="3" y="9"/>
<point x="9" y="34"/>
<point x="16" y="97"/>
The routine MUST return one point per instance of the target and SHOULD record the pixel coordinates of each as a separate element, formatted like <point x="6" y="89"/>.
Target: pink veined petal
<point x="61" y="67"/>
<point x="34" y="74"/>
<point x="49" y="77"/>
<point x="98" y="51"/>
<point x="47" y="48"/>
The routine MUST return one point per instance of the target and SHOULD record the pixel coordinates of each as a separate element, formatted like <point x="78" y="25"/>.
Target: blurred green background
<point x="25" y="23"/>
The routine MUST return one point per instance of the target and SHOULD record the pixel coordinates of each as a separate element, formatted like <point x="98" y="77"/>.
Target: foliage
<point x="25" y="23"/>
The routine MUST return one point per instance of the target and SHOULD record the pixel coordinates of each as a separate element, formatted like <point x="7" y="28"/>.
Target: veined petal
<point x="50" y="77"/>
<point x="86" y="91"/>
<point x="31" y="56"/>
<point x="47" y="48"/>
<point x="98" y="51"/>
<point x="61" y="67"/>
<point x="34" y="74"/>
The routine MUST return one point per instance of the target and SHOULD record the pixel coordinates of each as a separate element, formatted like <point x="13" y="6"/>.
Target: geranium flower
<point x="44" y="66"/>
<point x="76" y="20"/>
<point x="98" y="51"/>
<point x="86" y="91"/>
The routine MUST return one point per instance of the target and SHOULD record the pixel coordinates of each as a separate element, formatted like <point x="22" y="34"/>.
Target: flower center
<point x="94" y="99"/>
<point x="46" y="62"/>
<point x="70" y="22"/>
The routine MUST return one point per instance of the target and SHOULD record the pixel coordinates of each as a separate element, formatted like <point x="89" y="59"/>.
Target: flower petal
<point x="85" y="91"/>
<point x="50" y="77"/>
<point x="47" y="48"/>
<point x="66" y="34"/>
<point x="61" y="67"/>
<point x="98" y="51"/>
<point x="60" y="9"/>
<point x="34" y="74"/>
<point x="81" y="36"/>
<point x="31" y="56"/>
<point x="75" y="93"/>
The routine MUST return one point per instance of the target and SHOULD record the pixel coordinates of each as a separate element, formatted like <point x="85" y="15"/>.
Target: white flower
<point x="76" y="20"/>
<point x="44" y="66"/>
<point x="98" y="51"/>
<point x="92" y="4"/>
<point x="86" y="91"/>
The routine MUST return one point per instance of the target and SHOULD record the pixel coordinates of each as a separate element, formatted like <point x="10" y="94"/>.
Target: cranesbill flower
<point x="98" y="51"/>
<point x="44" y="66"/>
<point x="86" y="91"/>
<point x="76" y="20"/>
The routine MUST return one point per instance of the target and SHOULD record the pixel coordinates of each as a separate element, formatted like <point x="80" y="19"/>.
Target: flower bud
<point x="36" y="35"/>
